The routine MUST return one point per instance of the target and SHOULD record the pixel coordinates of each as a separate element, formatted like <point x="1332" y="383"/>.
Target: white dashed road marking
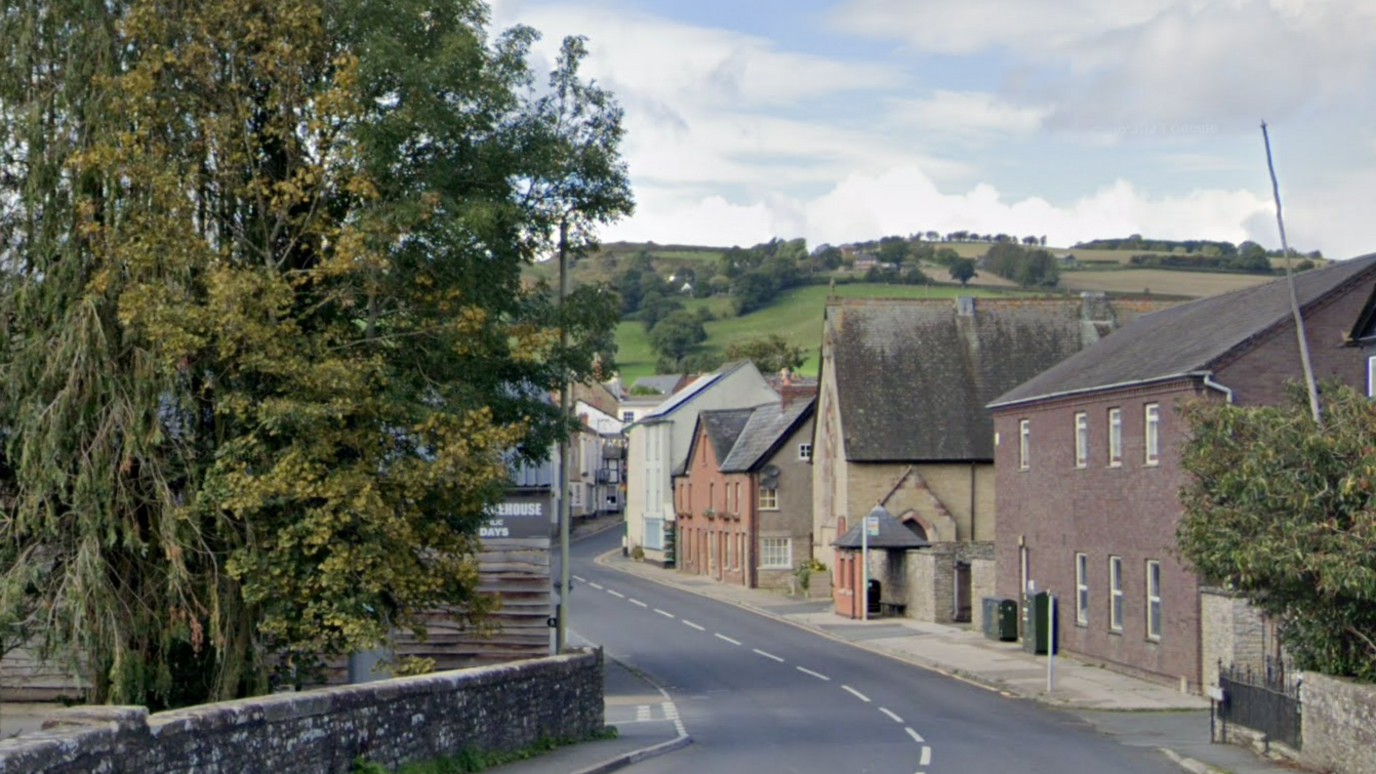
<point x="580" y="579"/>
<point x="663" y="613"/>
<point x="686" y="622"/>
<point x="768" y="655"/>
<point x="916" y="737"/>
<point x="817" y="675"/>
<point x="856" y="694"/>
<point x="926" y="757"/>
<point x="721" y="636"/>
<point x="615" y="593"/>
<point x="597" y="586"/>
<point x="637" y="602"/>
<point x="892" y="716"/>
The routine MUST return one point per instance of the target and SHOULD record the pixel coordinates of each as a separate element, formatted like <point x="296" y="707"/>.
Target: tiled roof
<point x="892" y="533"/>
<point x="1190" y="338"/>
<point x="913" y="375"/>
<point x="768" y="426"/>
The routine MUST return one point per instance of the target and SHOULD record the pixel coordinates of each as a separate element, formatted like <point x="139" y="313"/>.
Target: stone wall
<point x="1230" y="631"/>
<point x="1339" y="724"/>
<point x="929" y="580"/>
<point x="504" y="707"/>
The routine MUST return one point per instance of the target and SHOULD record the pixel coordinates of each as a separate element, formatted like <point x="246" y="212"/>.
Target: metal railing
<point x="1265" y="700"/>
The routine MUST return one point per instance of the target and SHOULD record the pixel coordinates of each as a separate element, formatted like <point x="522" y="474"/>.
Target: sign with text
<point x="518" y="517"/>
<point x="872" y="526"/>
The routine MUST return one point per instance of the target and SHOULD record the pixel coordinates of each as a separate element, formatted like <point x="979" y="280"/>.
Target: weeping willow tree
<point x="265" y="342"/>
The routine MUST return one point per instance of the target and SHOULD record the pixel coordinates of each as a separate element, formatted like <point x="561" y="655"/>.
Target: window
<point x="738" y="498"/>
<point x="805" y="452"/>
<point x="1115" y="593"/>
<point x="1153" y="599"/>
<point x="1115" y="437"/>
<point x="769" y="499"/>
<point x="712" y="496"/>
<point x="1081" y="589"/>
<point x="654" y="533"/>
<point x="776" y="553"/>
<point x="1371" y="377"/>
<point x="1081" y="439"/>
<point x="628" y="416"/>
<point x="1153" y="432"/>
<point x="1024" y="431"/>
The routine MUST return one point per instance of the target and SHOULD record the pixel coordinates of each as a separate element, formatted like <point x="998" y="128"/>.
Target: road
<point x="757" y="694"/>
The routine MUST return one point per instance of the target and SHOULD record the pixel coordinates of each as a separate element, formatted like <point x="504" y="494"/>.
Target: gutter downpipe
<point x="1209" y="382"/>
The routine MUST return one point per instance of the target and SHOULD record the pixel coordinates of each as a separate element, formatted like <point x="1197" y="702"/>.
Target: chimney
<point x="789" y="392"/>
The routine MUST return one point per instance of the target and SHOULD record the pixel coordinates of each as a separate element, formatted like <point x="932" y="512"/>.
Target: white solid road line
<point x="663" y="613"/>
<point x="721" y="636"/>
<point x="817" y="675"/>
<point x="686" y="622"/>
<point x="637" y="602"/>
<point x="926" y="757"/>
<point x="615" y="593"/>
<point x="768" y="655"/>
<point x="916" y="737"/>
<point x="856" y="694"/>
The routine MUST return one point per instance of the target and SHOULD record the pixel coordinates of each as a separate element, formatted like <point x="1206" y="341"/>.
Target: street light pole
<point x="561" y="615"/>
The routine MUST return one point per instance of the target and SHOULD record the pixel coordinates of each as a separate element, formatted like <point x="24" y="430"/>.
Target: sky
<point x="848" y="120"/>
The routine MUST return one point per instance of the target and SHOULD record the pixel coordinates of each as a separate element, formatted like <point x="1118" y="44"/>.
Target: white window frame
<point x="1081" y="589"/>
<point x="1024" y="443"/>
<point x="1115" y="593"/>
<point x="769" y="498"/>
<point x="776" y="553"/>
<point x="805" y="452"/>
<point x="1151" y="433"/>
<point x="1081" y="439"/>
<point x="1371" y="376"/>
<point x="1115" y="438"/>
<point x="1153" y="610"/>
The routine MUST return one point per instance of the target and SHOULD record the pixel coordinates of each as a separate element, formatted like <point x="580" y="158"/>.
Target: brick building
<point x="1088" y="466"/>
<point x="743" y="502"/>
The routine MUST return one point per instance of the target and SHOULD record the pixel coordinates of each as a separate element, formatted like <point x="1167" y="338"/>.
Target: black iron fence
<point x="1265" y="700"/>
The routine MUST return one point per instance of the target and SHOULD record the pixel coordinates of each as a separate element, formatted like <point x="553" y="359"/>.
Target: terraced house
<point x="744" y="498"/>
<point x="1088" y="465"/>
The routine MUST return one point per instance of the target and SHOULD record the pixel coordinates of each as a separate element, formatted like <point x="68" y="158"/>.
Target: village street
<point x="757" y="694"/>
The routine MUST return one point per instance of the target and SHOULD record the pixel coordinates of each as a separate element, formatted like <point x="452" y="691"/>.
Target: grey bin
<point x="1000" y="619"/>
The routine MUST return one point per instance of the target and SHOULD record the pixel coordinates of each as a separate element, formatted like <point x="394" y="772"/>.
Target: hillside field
<point x="1195" y="284"/>
<point x="795" y="315"/>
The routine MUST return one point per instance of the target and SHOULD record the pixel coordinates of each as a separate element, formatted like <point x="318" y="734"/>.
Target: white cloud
<point x="966" y="114"/>
<point x="904" y="200"/>
<point x="1150" y="62"/>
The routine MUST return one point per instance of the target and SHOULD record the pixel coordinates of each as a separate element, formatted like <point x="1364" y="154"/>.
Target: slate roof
<point x="913" y="376"/>
<point x="689" y="392"/>
<point x="723" y="427"/>
<point x="663" y="383"/>
<point x="1192" y="338"/>
<point x="769" y="425"/>
<point x="892" y="534"/>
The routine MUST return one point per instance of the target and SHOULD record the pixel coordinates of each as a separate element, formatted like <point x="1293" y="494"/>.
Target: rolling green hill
<point x="796" y="315"/>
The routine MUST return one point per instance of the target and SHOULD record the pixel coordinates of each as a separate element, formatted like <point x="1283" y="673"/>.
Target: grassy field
<point x="796" y="315"/>
<point x="1160" y="281"/>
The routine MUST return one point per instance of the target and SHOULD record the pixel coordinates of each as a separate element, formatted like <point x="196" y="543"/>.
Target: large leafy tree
<point x="265" y="342"/>
<point x="1284" y="511"/>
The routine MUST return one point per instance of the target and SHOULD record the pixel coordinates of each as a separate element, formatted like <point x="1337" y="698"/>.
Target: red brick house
<point x="1087" y="459"/>
<point x="743" y="504"/>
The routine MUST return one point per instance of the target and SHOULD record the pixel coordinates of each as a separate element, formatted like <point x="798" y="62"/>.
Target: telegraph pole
<point x="561" y="615"/>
